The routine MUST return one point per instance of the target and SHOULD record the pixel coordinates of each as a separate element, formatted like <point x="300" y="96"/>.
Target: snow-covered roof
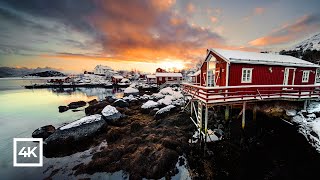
<point x="151" y="76"/>
<point x="117" y="77"/>
<point x="103" y="67"/>
<point x="196" y="73"/>
<point x="168" y="75"/>
<point x="235" y="56"/>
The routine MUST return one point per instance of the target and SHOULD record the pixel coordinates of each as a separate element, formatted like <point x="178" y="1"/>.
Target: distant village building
<point x="116" y="79"/>
<point x="102" y="70"/>
<point x="151" y="79"/>
<point x="162" y="77"/>
<point x="195" y="77"/>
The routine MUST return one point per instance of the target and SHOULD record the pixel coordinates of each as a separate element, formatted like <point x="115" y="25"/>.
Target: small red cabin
<point x="116" y="79"/>
<point x="169" y="78"/>
<point x="239" y="68"/>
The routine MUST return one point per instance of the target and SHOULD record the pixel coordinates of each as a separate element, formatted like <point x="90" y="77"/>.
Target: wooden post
<point x="227" y="113"/>
<point x="243" y="115"/>
<point x="254" y="113"/>
<point x="191" y="110"/>
<point x="206" y="123"/>
<point x="305" y="105"/>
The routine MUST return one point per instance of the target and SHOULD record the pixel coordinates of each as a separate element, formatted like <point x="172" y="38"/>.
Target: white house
<point x="102" y="70"/>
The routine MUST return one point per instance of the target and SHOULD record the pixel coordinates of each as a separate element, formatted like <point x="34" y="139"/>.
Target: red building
<point x="229" y="75"/>
<point x="160" y="70"/>
<point x="116" y="79"/>
<point x="238" y="68"/>
<point x="195" y="78"/>
<point x="174" y="78"/>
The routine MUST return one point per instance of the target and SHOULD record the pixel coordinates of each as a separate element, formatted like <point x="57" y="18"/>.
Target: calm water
<point x="24" y="110"/>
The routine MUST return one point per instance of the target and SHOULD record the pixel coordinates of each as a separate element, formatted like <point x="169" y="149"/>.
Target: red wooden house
<point x="116" y="79"/>
<point x="173" y="78"/>
<point x="251" y="73"/>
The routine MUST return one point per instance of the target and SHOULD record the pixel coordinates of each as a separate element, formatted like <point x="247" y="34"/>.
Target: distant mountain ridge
<point x="46" y="74"/>
<point x="308" y="50"/>
<point x="20" y="72"/>
<point x="312" y="43"/>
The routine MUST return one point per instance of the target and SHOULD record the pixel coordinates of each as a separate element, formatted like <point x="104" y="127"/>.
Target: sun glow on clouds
<point x="169" y="64"/>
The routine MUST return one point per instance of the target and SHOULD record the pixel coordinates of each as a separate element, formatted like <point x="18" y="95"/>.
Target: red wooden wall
<point x="262" y="76"/>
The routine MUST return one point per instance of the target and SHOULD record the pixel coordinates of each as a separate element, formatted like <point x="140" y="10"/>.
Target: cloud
<point x="213" y="19"/>
<point x="259" y="10"/>
<point x="191" y="8"/>
<point x="144" y="31"/>
<point x="289" y="32"/>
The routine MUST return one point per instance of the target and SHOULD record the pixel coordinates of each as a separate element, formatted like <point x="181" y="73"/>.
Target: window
<point x="246" y="75"/>
<point x="305" y="76"/>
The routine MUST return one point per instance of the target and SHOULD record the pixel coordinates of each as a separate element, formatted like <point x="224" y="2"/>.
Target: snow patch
<point x="291" y="112"/>
<point x="130" y="90"/>
<point x="84" y="120"/>
<point x="165" y="109"/>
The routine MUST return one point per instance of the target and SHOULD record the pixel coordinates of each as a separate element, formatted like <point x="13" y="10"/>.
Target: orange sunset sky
<point x="76" y="35"/>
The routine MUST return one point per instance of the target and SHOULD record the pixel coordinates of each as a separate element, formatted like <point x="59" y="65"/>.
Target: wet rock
<point x="92" y="102"/>
<point x="76" y="110"/>
<point x="110" y="99"/>
<point x="75" y="105"/>
<point x="96" y="108"/>
<point x="63" y="108"/>
<point x="121" y="103"/>
<point x="68" y="141"/>
<point x="44" y="132"/>
<point x="169" y="143"/>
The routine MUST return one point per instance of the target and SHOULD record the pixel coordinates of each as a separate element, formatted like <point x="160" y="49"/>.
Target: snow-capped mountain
<point x="312" y="43"/>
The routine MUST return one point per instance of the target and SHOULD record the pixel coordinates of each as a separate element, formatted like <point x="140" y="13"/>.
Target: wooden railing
<point x="254" y="92"/>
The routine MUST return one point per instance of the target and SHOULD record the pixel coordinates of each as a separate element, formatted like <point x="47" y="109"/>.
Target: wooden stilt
<point x="254" y="112"/>
<point x="243" y="115"/>
<point x="206" y="123"/>
<point x="305" y="105"/>
<point x="227" y="113"/>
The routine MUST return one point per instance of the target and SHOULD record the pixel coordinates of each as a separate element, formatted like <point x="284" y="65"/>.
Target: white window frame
<point x="305" y="76"/>
<point x="245" y="71"/>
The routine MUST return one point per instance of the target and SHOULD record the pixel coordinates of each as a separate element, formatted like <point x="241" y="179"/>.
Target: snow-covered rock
<point x="157" y="96"/>
<point x="84" y="120"/>
<point x="312" y="43"/>
<point x="145" y="97"/>
<point x="167" y="100"/>
<point x="149" y="104"/>
<point x="130" y="98"/>
<point x="110" y="113"/>
<point x="167" y="91"/>
<point x="131" y="90"/>
<point x="109" y="110"/>
<point x="164" y="111"/>
<point x="121" y="103"/>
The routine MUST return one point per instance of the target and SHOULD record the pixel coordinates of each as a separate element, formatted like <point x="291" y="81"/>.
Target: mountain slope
<point x="312" y="43"/>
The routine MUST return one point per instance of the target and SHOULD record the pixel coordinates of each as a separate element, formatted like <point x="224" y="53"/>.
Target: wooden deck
<point x="233" y="94"/>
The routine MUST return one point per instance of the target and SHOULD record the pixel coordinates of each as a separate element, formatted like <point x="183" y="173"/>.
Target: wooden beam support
<point x="227" y="113"/>
<point x="243" y="115"/>
<point x="206" y="123"/>
<point x="254" y="112"/>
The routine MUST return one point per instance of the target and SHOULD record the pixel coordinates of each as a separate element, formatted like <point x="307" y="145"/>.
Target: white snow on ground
<point x="211" y="137"/>
<point x="109" y="110"/>
<point x="149" y="104"/>
<point x="145" y="97"/>
<point x="291" y="112"/>
<point x="167" y="100"/>
<point x="166" y="91"/>
<point x="131" y="90"/>
<point x="313" y="107"/>
<point x="157" y="95"/>
<point x="309" y="127"/>
<point x="84" y="120"/>
<point x="165" y="109"/>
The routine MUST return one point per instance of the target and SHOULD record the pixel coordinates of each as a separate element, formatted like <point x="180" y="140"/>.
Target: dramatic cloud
<point x="289" y="32"/>
<point x="190" y="8"/>
<point x="213" y="19"/>
<point x="145" y="31"/>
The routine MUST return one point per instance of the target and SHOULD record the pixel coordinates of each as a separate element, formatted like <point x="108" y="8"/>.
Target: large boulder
<point x="77" y="104"/>
<point x="96" y="108"/>
<point x="121" y="103"/>
<point x="110" y="99"/>
<point x="110" y="114"/>
<point x="63" y="108"/>
<point x="73" y="137"/>
<point x="164" y="111"/>
<point x="44" y="132"/>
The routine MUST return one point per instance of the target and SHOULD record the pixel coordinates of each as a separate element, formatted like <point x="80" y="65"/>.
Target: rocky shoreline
<point x="147" y="144"/>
